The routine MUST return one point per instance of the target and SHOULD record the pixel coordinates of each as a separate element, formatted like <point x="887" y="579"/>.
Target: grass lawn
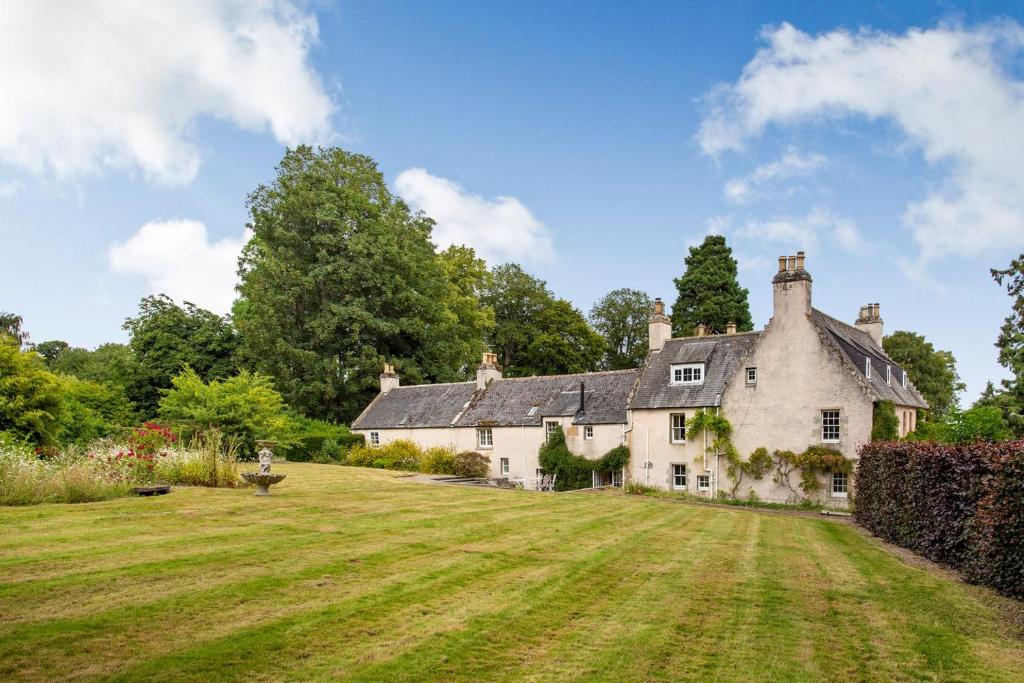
<point x="350" y="573"/>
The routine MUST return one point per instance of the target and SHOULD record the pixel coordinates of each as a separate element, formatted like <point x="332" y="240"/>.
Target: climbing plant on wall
<point x="811" y="463"/>
<point x="574" y="471"/>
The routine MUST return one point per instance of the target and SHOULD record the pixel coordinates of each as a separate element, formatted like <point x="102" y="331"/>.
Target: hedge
<point x="960" y="505"/>
<point x="310" y="437"/>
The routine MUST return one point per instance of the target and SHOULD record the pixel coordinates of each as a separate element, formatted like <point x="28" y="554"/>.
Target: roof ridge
<point x="436" y="384"/>
<point x="714" y="337"/>
<point x="570" y="374"/>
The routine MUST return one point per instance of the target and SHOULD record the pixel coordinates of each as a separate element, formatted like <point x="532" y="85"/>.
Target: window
<point x="549" y="429"/>
<point x="678" y="434"/>
<point x="588" y="432"/>
<point x="504" y="465"/>
<point x="888" y="374"/>
<point x="617" y="478"/>
<point x="690" y="373"/>
<point x="484" y="437"/>
<point x="867" y="368"/>
<point x="751" y="375"/>
<point x="703" y="482"/>
<point x="830" y="425"/>
<point x="839" y="484"/>
<point x="904" y="379"/>
<point x="532" y="411"/>
<point x="374" y="438"/>
<point x="679" y="476"/>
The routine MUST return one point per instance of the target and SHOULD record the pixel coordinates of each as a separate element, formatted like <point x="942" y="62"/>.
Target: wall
<point x="519" y="444"/>
<point x="650" y="441"/>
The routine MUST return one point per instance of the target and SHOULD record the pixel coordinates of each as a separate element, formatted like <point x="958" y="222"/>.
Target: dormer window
<point x="867" y="368"/>
<point x="904" y="379"/>
<point x="888" y="374"/>
<point x="687" y="373"/>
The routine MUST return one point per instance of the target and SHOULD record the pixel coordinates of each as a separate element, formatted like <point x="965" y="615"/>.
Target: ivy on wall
<point x="574" y="471"/>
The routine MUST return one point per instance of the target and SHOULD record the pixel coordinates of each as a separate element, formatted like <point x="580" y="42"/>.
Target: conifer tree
<point x="709" y="292"/>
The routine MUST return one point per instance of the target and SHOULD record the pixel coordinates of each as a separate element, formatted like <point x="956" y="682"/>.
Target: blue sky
<point x="591" y="142"/>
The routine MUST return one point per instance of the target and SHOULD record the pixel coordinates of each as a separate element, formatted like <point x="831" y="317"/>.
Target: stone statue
<point x="265" y="455"/>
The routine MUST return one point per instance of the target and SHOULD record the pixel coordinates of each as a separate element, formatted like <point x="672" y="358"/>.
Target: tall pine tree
<point x="709" y="292"/>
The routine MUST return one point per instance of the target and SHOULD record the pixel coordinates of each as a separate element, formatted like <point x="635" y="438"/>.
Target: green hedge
<point x="320" y="441"/>
<point x="574" y="471"/>
<point x="961" y="505"/>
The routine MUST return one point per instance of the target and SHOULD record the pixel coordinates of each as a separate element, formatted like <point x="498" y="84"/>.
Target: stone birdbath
<point x="263" y="479"/>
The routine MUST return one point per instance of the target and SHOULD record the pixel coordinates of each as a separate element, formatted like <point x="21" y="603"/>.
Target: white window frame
<point x="867" y="368"/>
<point x="588" y="432"/>
<point x="840" y="485"/>
<point x="696" y="371"/>
<point x="904" y="379"/>
<point x="703" y="482"/>
<point x="751" y="376"/>
<point x="672" y="428"/>
<point x="550" y="427"/>
<point x="888" y="374"/>
<point x="504" y="465"/>
<point x="679" y="470"/>
<point x="617" y="478"/>
<point x="484" y="437"/>
<point x="837" y="424"/>
<point x="375" y="439"/>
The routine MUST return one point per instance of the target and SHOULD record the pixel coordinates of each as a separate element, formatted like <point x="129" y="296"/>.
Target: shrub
<point x="472" y="464"/>
<point x="310" y="438"/>
<point x="400" y="454"/>
<point x="31" y="400"/>
<point x="885" y="426"/>
<point x="438" y="460"/>
<point x="961" y="505"/>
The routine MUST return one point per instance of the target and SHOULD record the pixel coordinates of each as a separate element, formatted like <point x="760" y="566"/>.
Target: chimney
<point x="701" y="330"/>
<point x="870" y="321"/>
<point x="730" y="327"/>
<point x="791" y="290"/>
<point x="583" y="400"/>
<point x="488" y="370"/>
<point x="388" y="379"/>
<point x="659" y="327"/>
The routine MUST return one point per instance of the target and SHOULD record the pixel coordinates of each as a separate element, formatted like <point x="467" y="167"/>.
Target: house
<point x="806" y="379"/>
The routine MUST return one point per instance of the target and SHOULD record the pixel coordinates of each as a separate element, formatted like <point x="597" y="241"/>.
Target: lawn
<point x="357" y="574"/>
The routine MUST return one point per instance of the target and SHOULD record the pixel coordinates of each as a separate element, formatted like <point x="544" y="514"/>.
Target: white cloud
<point x="802" y="232"/>
<point x="946" y="89"/>
<point x="9" y="189"/>
<point x="499" y="229"/>
<point x="792" y="164"/>
<point x="176" y="258"/>
<point x="94" y="85"/>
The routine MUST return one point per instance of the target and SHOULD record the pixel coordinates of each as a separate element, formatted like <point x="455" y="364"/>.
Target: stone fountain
<point x="263" y="479"/>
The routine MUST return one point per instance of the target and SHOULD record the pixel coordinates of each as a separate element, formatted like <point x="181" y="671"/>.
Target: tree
<point x="49" y="350"/>
<point x="885" y="426"/>
<point x="244" y="407"/>
<point x="461" y="341"/>
<point x="112" y="364"/>
<point x="534" y="333"/>
<point x="31" y="403"/>
<point x="620" y="317"/>
<point x="1010" y="400"/>
<point x="11" y="326"/>
<point x="92" y="410"/>
<point x="340" y="277"/>
<point x="933" y="372"/>
<point x="166" y="337"/>
<point x="709" y="292"/>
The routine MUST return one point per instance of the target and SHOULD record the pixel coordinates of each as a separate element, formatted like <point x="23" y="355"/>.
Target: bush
<point x="885" y="426"/>
<point x="438" y="460"/>
<point x="400" y="454"/>
<point x="961" y="505"/>
<point x="310" y="439"/>
<point x="31" y="397"/>
<point x="472" y="464"/>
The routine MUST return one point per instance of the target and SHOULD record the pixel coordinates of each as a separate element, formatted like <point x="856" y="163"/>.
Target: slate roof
<point x="508" y="402"/>
<point x="424" y="405"/>
<point x="858" y="346"/>
<point x="721" y="355"/>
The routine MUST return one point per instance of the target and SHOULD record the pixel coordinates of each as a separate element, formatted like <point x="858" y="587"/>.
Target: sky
<point x="591" y="142"/>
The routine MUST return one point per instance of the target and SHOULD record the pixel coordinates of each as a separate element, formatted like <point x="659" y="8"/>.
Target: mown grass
<point x="356" y="574"/>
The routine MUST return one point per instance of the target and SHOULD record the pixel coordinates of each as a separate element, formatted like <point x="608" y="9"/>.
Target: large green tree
<point x="339" y="277"/>
<point x="709" y="291"/>
<point x="11" y="326"/>
<point x="1010" y="397"/>
<point x="933" y="372"/>
<point x="165" y="337"/>
<point x="31" y="399"/>
<point x="621" y="316"/>
<point x="534" y="333"/>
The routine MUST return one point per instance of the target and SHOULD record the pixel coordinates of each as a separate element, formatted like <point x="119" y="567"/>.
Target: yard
<point x="354" y="573"/>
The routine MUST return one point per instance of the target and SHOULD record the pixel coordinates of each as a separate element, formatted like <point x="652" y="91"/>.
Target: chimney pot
<point x="799" y="260"/>
<point x="791" y="265"/>
<point x="782" y="264"/>
<point x="730" y="328"/>
<point x="659" y="306"/>
<point x="700" y="329"/>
